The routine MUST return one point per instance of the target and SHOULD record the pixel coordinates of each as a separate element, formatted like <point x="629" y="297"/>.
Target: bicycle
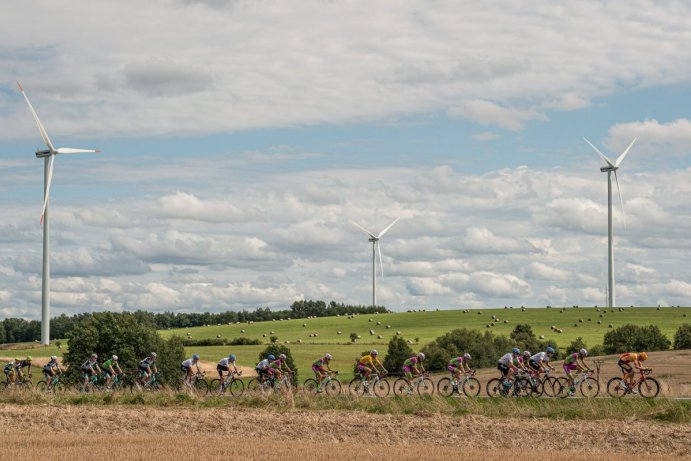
<point x="196" y="385"/>
<point x="500" y="387"/>
<point x="648" y="386"/>
<point x="19" y="384"/>
<point x="56" y="386"/>
<point x="116" y="383"/>
<point x="230" y="382"/>
<point x="360" y="386"/>
<point x="584" y="382"/>
<point x="91" y="383"/>
<point x="548" y="384"/>
<point x="468" y="384"/>
<point x="420" y="384"/>
<point x="330" y="384"/>
<point x="150" y="386"/>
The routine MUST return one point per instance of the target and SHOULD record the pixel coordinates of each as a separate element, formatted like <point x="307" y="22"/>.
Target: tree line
<point x="16" y="330"/>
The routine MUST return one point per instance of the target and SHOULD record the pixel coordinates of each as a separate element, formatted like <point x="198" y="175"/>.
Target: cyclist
<point x="319" y="372"/>
<point x="539" y="362"/>
<point x="224" y="365"/>
<point x="369" y="359"/>
<point x="522" y="361"/>
<point x="49" y="371"/>
<point x="262" y="367"/>
<point x="9" y="370"/>
<point x="186" y="368"/>
<point x="145" y="369"/>
<point x="410" y="366"/>
<point x="459" y="365"/>
<point x="625" y="365"/>
<point x="575" y="362"/>
<point x="111" y="368"/>
<point x="89" y="368"/>
<point x="275" y="368"/>
<point x="507" y="365"/>
<point x="26" y="363"/>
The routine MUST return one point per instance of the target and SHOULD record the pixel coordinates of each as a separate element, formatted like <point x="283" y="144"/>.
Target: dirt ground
<point x="153" y="433"/>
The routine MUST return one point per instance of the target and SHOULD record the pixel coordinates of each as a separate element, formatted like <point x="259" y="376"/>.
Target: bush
<point x="123" y="334"/>
<point x="278" y="349"/>
<point x="682" y="338"/>
<point x="353" y="337"/>
<point x="524" y="338"/>
<point x="576" y="345"/>
<point x="633" y="338"/>
<point x="398" y="352"/>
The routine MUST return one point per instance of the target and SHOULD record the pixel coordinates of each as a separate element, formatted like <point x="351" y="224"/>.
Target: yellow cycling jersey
<point x="368" y="359"/>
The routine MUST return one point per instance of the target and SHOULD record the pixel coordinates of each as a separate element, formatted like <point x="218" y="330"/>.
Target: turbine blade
<point x="381" y="234"/>
<point x="49" y="181"/>
<point x="621" y="200"/>
<point x="366" y="231"/>
<point x="604" y="157"/>
<point x="42" y="130"/>
<point x="69" y="150"/>
<point x="381" y="263"/>
<point x="621" y="157"/>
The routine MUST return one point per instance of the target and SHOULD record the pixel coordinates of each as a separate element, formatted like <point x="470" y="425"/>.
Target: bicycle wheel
<point x="333" y="387"/>
<point x="495" y="388"/>
<point x="649" y="388"/>
<point x="536" y="388"/>
<point x="425" y="387"/>
<point x="215" y="387"/>
<point x="381" y="388"/>
<point x="310" y="386"/>
<point x="445" y="387"/>
<point x="562" y="388"/>
<point x="402" y="387"/>
<point x="616" y="387"/>
<point x="522" y="388"/>
<point x="357" y="387"/>
<point x="590" y="388"/>
<point x="201" y="387"/>
<point x="42" y="388"/>
<point x="237" y="387"/>
<point x="471" y="387"/>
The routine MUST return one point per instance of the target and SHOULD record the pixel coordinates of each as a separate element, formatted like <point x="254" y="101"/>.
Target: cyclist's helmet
<point x="526" y="354"/>
<point x="421" y="356"/>
<point x="467" y="356"/>
<point x="583" y="352"/>
<point x="550" y="350"/>
<point x="231" y="357"/>
<point x="53" y="358"/>
<point x="153" y="354"/>
<point x="328" y="357"/>
<point x="28" y="358"/>
<point x="643" y="356"/>
<point x="17" y="359"/>
<point x="282" y="357"/>
<point x="195" y="357"/>
<point x="271" y="357"/>
<point x="114" y="358"/>
<point x="515" y="350"/>
<point x="94" y="356"/>
<point x="373" y="352"/>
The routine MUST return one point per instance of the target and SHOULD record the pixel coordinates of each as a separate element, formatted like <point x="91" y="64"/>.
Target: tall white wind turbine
<point x="376" y="249"/>
<point x="49" y="161"/>
<point x="609" y="168"/>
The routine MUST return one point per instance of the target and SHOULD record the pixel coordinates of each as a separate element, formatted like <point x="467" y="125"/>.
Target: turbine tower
<point x="376" y="249"/>
<point x="609" y="168"/>
<point x="48" y="156"/>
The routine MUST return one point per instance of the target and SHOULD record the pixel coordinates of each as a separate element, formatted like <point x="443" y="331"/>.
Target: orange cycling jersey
<point x="629" y="357"/>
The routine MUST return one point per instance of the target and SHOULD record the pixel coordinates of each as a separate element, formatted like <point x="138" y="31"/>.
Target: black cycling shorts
<point x="221" y="368"/>
<point x="503" y="368"/>
<point x="625" y="367"/>
<point x="534" y="365"/>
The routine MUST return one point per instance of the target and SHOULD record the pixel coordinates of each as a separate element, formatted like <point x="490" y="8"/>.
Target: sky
<point x="240" y="139"/>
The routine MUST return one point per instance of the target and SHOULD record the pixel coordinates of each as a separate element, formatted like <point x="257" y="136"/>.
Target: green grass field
<point x="423" y="325"/>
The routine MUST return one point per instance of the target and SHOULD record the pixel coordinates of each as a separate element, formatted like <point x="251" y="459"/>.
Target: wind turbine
<point x="610" y="168"/>
<point x="376" y="249"/>
<point x="48" y="156"/>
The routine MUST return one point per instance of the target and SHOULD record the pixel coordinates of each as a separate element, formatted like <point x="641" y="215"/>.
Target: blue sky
<point x="240" y="139"/>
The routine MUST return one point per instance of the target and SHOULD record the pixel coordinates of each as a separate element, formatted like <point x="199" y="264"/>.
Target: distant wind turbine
<point x="49" y="161"/>
<point x="609" y="168"/>
<point x="376" y="249"/>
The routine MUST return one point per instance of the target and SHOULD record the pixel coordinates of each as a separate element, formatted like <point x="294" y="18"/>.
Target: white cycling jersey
<point x="225" y="362"/>
<point x="540" y="356"/>
<point x="263" y="365"/>
<point x="507" y="359"/>
<point x="189" y="363"/>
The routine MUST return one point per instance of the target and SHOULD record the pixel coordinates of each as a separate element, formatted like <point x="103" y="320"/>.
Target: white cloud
<point x="489" y="113"/>
<point x="652" y="135"/>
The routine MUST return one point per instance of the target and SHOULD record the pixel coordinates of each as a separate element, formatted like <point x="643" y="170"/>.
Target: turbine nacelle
<point x="43" y="153"/>
<point x="606" y="169"/>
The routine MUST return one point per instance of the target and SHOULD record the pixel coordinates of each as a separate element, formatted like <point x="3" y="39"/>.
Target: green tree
<point x="682" y="338"/>
<point x="575" y="346"/>
<point x="398" y="352"/>
<point x="276" y="350"/>
<point x="353" y="337"/>
<point x="634" y="338"/>
<point x="121" y="333"/>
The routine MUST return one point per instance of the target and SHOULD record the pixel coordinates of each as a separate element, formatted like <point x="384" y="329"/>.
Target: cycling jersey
<point x="147" y="362"/>
<point x="411" y="362"/>
<point x="320" y="362"/>
<point x="540" y="356"/>
<point x="88" y="365"/>
<point x="571" y="359"/>
<point x="629" y="357"/>
<point x="507" y="359"/>
<point x="107" y="364"/>
<point x="189" y="363"/>
<point x="50" y="365"/>
<point x="276" y="364"/>
<point x="263" y="365"/>
<point x="23" y="364"/>
<point x="365" y="359"/>
<point x="456" y="362"/>
<point x="225" y="362"/>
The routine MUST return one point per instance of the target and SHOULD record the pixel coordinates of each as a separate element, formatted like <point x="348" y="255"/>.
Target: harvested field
<point x="181" y="432"/>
